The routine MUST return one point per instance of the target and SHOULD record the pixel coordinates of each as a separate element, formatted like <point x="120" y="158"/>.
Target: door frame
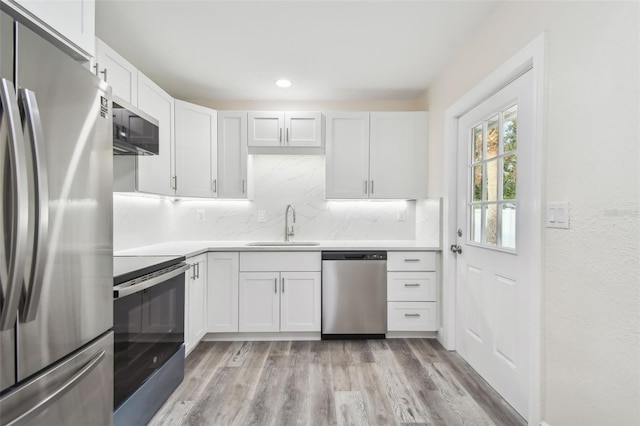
<point x="531" y="57"/>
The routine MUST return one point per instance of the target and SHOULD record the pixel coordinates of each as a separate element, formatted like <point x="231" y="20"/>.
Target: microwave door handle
<point x="125" y="289"/>
<point x="12" y="279"/>
<point x="35" y="274"/>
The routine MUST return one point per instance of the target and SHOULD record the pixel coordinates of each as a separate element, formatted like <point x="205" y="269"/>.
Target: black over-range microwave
<point x="134" y="132"/>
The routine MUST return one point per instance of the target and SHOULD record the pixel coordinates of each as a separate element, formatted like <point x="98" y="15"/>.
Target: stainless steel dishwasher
<point x="354" y="294"/>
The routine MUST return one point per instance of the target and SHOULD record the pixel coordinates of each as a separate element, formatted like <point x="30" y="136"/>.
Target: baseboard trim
<point x="260" y="337"/>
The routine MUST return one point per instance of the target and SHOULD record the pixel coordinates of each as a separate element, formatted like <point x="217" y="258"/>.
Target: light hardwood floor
<point x="354" y="382"/>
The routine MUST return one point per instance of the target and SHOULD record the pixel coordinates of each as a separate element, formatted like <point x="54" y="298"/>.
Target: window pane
<point x="508" y="229"/>
<point x="477" y="143"/>
<point x="476" y="224"/>
<point x="491" y="181"/>
<point x="477" y="183"/>
<point x="492" y="137"/>
<point x="491" y="224"/>
<point x="509" y="129"/>
<point x="509" y="177"/>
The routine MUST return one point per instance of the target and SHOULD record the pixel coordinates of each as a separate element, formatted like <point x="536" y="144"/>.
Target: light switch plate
<point x="200" y="215"/>
<point x="262" y="216"/>
<point x="558" y="215"/>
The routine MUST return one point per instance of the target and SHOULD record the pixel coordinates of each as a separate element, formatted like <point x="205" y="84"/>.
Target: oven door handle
<point x="126" y="289"/>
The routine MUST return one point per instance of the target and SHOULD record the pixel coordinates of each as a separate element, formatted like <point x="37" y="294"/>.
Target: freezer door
<point x="70" y="301"/>
<point x="7" y="337"/>
<point x="79" y="391"/>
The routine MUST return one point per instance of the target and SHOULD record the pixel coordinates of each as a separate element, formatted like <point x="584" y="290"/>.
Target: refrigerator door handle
<point x="39" y="198"/>
<point x="59" y="393"/>
<point x="13" y="273"/>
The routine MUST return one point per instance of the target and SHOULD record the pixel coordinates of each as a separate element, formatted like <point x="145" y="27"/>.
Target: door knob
<point x="456" y="248"/>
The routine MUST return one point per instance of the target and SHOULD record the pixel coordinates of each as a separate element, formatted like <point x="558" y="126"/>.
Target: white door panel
<point x="495" y="189"/>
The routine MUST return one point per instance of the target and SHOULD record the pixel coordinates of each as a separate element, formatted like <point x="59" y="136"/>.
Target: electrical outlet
<point x="262" y="216"/>
<point x="200" y="215"/>
<point x="402" y="215"/>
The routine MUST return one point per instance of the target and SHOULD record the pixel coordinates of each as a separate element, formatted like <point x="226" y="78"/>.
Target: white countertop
<point x="193" y="248"/>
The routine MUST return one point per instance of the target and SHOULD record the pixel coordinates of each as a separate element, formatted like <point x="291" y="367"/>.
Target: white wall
<point x="591" y="291"/>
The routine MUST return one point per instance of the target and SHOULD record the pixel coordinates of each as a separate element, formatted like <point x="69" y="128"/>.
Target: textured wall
<point x="591" y="290"/>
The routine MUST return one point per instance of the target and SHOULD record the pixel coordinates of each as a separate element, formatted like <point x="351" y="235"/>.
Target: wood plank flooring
<point x="351" y="382"/>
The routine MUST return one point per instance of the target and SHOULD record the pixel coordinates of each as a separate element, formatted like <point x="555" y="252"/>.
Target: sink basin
<point x="283" y="244"/>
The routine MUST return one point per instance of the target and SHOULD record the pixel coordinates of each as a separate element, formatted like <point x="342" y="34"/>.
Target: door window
<point x="493" y="174"/>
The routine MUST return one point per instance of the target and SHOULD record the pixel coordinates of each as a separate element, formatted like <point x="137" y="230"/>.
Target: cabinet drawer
<point x="271" y="261"/>
<point x="411" y="286"/>
<point x="412" y="316"/>
<point x="411" y="261"/>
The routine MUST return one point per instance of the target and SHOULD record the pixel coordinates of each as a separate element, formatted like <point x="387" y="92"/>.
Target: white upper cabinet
<point x="74" y="20"/>
<point x="232" y="155"/>
<point x="347" y="155"/>
<point x="196" y="150"/>
<point x="285" y="129"/>
<point x="379" y="155"/>
<point x="121" y="75"/>
<point x="398" y="155"/>
<point x="155" y="172"/>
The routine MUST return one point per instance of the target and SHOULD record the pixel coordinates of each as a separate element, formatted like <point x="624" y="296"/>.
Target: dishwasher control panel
<point x="354" y="255"/>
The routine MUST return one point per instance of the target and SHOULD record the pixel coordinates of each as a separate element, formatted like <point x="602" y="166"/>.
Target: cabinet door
<point x="121" y="75"/>
<point x="300" y="301"/>
<point x="398" y="155"/>
<point x="196" y="281"/>
<point x="259" y="301"/>
<point x="155" y="172"/>
<point x="196" y="150"/>
<point x="222" y="292"/>
<point x="73" y="19"/>
<point x="303" y="129"/>
<point x="347" y="155"/>
<point x="266" y="128"/>
<point x="232" y="154"/>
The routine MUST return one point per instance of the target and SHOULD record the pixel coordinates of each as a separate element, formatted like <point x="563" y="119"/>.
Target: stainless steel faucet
<point x="288" y="232"/>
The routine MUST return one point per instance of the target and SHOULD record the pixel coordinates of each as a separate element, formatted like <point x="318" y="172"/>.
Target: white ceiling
<point x="330" y="50"/>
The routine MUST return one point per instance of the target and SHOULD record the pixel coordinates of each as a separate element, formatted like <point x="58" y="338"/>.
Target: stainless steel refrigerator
<point x="56" y="243"/>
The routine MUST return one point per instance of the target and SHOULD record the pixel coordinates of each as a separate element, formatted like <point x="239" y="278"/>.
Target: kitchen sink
<point x="283" y="244"/>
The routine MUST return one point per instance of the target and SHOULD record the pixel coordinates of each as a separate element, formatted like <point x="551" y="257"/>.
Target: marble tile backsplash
<point x="277" y="182"/>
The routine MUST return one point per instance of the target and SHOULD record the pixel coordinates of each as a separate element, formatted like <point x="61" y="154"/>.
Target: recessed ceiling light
<point x="283" y="83"/>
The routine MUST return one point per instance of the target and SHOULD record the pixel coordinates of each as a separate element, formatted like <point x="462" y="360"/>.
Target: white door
<point x="196" y="281"/>
<point x="347" y="155"/>
<point x="303" y="129"/>
<point x="495" y="234"/>
<point x="156" y="172"/>
<point x="259" y="303"/>
<point x="222" y="292"/>
<point x="300" y="301"/>
<point x="266" y="128"/>
<point x="398" y="149"/>
<point x="232" y="155"/>
<point x="121" y="75"/>
<point x="196" y="150"/>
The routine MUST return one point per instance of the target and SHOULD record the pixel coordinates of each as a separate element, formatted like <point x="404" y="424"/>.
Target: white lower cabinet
<point x="279" y="291"/>
<point x="279" y="301"/>
<point x="195" y="296"/>
<point x="222" y="292"/>
<point x="412" y="291"/>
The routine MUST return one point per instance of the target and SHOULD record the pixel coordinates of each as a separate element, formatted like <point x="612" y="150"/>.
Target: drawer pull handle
<point x="412" y="315"/>
<point x="412" y="285"/>
<point x="412" y="260"/>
